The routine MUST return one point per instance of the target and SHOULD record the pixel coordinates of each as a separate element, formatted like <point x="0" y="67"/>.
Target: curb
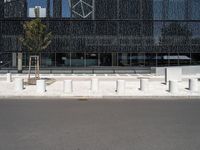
<point x="100" y="97"/>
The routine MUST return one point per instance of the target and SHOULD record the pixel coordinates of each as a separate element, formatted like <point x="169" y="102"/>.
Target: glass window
<point x="138" y="59"/>
<point x="92" y="59"/>
<point x="195" y="58"/>
<point x="158" y="9"/>
<point x="105" y="9"/>
<point x="40" y="4"/>
<point x="106" y="59"/>
<point x="173" y="59"/>
<point x="147" y="9"/>
<point x="51" y="8"/>
<point x="195" y="9"/>
<point x="48" y="59"/>
<point x="63" y="59"/>
<point x="114" y="59"/>
<point x="124" y="59"/>
<point x="162" y="59"/>
<point x="175" y="10"/>
<point x="5" y="59"/>
<point x="25" y="59"/>
<point x="129" y="9"/>
<point x="66" y="9"/>
<point x="150" y="59"/>
<point x="77" y="59"/>
<point x="184" y="58"/>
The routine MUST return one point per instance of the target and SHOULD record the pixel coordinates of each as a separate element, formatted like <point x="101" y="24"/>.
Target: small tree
<point x="36" y="38"/>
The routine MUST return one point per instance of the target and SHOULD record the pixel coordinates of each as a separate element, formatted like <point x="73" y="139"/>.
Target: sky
<point x="42" y="3"/>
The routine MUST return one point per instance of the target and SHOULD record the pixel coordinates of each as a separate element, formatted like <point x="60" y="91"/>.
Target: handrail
<point x="87" y="70"/>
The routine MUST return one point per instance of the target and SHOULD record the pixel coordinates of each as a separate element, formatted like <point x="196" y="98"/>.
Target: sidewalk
<point x="106" y="88"/>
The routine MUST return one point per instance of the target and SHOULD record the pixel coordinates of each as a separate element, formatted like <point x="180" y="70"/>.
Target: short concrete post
<point x="94" y="85"/>
<point x="173" y="87"/>
<point x="9" y="77"/>
<point x="120" y="87"/>
<point x="144" y="85"/>
<point x="19" y="84"/>
<point x="41" y="86"/>
<point x="67" y="86"/>
<point x="193" y="85"/>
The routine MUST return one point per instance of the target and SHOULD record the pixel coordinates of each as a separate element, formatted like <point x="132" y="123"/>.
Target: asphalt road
<point x="100" y="125"/>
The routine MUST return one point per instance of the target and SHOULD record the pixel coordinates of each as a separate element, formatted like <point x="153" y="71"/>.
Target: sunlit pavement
<point x="106" y="86"/>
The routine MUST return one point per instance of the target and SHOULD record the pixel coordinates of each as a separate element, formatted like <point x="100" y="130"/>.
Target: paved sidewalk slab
<point x="107" y="87"/>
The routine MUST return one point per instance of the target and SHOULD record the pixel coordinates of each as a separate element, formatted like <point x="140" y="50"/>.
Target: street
<point x="99" y="125"/>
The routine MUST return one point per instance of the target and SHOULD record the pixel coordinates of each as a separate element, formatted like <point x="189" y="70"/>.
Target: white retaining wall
<point x="186" y="70"/>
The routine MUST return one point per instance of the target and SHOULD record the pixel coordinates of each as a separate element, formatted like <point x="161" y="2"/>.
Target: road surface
<point x="99" y="125"/>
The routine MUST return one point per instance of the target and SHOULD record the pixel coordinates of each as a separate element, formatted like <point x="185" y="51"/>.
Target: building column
<point x="114" y="59"/>
<point x="14" y="60"/>
<point x="19" y="67"/>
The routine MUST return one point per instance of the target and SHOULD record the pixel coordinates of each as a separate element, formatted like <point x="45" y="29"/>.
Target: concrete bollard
<point x="67" y="86"/>
<point x="9" y="77"/>
<point x="41" y="86"/>
<point x="144" y="85"/>
<point x="94" y="85"/>
<point x="120" y="86"/>
<point x="193" y="85"/>
<point x="173" y="87"/>
<point x="19" y="84"/>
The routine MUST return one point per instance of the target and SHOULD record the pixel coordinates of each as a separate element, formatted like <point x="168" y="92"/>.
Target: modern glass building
<point x="99" y="33"/>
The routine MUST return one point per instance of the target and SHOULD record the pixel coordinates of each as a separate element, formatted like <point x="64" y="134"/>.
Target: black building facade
<point x="98" y="33"/>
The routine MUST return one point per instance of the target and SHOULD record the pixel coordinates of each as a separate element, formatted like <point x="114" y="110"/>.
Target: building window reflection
<point x="124" y="59"/>
<point x="138" y="59"/>
<point x="92" y="59"/>
<point x="195" y="9"/>
<point x="62" y="59"/>
<point x="106" y="59"/>
<point x="158" y="9"/>
<point x="48" y="60"/>
<point x="176" y="10"/>
<point x="40" y="4"/>
<point x="77" y="59"/>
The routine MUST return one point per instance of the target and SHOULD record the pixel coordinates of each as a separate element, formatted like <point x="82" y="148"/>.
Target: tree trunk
<point x="36" y="66"/>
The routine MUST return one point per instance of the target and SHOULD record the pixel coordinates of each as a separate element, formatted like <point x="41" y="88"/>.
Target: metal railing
<point x="102" y="70"/>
